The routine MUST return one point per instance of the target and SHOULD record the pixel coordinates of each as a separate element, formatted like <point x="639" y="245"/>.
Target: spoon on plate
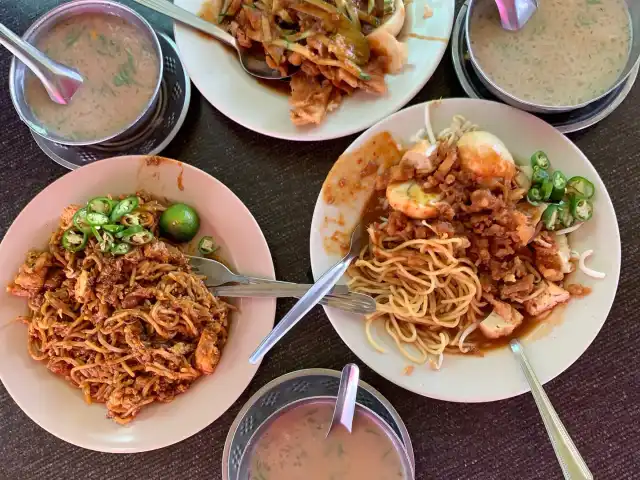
<point x="312" y="297"/>
<point x="252" y="63"/>
<point x="515" y="13"/>
<point x="60" y="81"/>
<point x="571" y="462"/>
<point x="346" y="402"/>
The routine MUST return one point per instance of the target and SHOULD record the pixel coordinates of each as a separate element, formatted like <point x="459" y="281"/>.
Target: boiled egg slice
<point x="410" y="199"/>
<point x="486" y="156"/>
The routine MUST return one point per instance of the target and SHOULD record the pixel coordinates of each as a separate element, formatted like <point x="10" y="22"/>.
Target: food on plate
<point x="294" y="446"/>
<point x="467" y="248"/>
<point x="120" y="68"/>
<point x="568" y="53"/>
<point x="116" y="311"/>
<point x="332" y="47"/>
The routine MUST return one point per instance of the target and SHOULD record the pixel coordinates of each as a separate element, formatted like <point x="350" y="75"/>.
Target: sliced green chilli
<point x="123" y="207"/>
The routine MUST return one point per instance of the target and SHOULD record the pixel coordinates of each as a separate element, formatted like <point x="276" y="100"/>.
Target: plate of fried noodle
<point x="110" y="340"/>
<point x="352" y="62"/>
<point x="484" y="224"/>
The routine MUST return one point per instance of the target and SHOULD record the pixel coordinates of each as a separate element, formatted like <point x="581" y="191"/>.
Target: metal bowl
<point x="44" y="24"/>
<point x="495" y="89"/>
<point x="244" y="472"/>
<point x="292" y="387"/>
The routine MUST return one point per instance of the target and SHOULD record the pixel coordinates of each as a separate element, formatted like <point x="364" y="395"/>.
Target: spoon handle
<point x="346" y="401"/>
<point x="573" y="466"/>
<point x="188" y="18"/>
<point x="25" y="52"/>
<point x="302" y="307"/>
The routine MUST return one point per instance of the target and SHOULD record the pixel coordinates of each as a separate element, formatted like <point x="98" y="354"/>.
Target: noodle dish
<point x="470" y="243"/>
<point x="111" y="340"/>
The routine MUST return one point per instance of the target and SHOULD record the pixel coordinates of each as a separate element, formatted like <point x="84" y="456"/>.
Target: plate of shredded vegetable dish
<point x="485" y="224"/>
<point x="100" y="303"/>
<point x="351" y="62"/>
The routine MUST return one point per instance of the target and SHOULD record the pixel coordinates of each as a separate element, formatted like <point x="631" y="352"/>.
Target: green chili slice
<point x="540" y="160"/>
<point x="550" y="217"/>
<point x="120" y="248"/>
<point x="539" y="176"/>
<point x="112" y="228"/>
<point x="129" y="231"/>
<point x="131" y="219"/>
<point x="564" y="214"/>
<point x="581" y="208"/>
<point x="534" y="196"/>
<point x="80" y="221"/>
<point x="123" y="207"/>
<point x="559" y="181"/>
<point x="546" y="189"/>
<point x="105" y="240"/>
<point x="74" y="240"/>
<point x="138" y="238"/>
<point x="102" y="205"/>
<point x="96" y="219"/>
<point x="207" y="245"/>
<point x="581" y="186"/>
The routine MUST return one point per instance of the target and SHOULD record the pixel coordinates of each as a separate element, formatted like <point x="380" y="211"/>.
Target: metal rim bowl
<point x="44" y="24"/>
<point x="632" y="61"/>
<point x="245" y="463"/>
<point x="297" y="385"/>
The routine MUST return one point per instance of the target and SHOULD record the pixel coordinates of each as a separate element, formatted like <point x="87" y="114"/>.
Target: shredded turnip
<point x="436" y="364"/>
<point x="471" y="328"/>
<point x="427" y="122"/>
<point x="573" y="228"/>
<point x="586" y="270"/>
<point x="542" y="243"/>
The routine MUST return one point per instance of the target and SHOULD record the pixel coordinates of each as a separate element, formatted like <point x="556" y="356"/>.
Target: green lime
<point x="179" y="223"/>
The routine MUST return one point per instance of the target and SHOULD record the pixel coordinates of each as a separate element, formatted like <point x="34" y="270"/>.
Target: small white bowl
<point x="58" y="407"/>
<point x="553" y="347"/>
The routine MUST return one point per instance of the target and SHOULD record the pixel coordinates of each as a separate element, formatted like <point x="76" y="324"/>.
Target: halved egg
<point x="486" y="156"/>
<point x="410" y="199"/>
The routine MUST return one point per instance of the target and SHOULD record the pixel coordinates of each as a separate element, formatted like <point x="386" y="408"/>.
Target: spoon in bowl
<point x="515" y="13"/>
<point x="571" y="462"/>
<point x="346" y="401"/>
<point x="252" y="63"/>
<point x="60" y="81"/>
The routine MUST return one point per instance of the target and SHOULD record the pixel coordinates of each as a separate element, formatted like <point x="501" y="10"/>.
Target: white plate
<point x="216" y="72"/>
<point x="54" y="404"/>
<point x="554" y="347"/>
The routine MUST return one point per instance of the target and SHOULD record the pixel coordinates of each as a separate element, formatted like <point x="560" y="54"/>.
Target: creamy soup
<point x="570" y="51"/>
<point x="120" y="68"/>
<point x="294" y="448"/>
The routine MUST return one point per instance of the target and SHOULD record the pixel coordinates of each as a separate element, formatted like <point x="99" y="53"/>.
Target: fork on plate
<point x="218" y="276"/>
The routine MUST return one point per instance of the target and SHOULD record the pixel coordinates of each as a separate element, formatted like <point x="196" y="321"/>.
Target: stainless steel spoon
<point x="252" y="64"/>
<point x="571" y="462"/>
<point x="60" y="81"/>
<point x="515" y="13"/>
<point x="311" y="298"/>
<point x="346" y="402"/>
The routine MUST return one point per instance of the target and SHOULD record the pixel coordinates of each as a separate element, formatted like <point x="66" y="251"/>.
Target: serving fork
<point x="218" y="276"/>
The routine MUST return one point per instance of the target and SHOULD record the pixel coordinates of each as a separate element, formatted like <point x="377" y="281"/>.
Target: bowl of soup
<point x="293" y="443"/>
<point x="120" y="58"/>
<point x="568" y="55"/>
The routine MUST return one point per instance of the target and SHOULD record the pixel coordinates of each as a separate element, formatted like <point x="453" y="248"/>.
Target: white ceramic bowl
<point x="553" y="347"/>
<point x="216" y="72"/>
<point x="54" y="404"/>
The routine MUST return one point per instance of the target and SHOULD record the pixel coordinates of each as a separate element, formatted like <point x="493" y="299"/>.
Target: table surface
<point x="597" y="397"/>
